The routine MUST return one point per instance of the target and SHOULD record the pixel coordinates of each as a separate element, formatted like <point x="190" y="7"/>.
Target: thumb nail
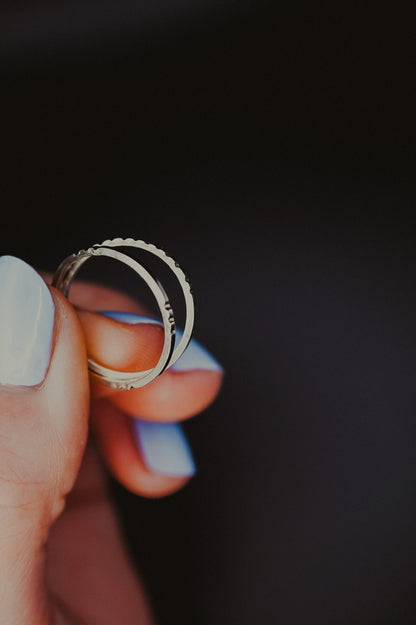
<point x="27" y="316"/>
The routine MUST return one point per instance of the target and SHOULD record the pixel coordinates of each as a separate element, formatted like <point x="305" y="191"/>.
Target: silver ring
<point x="122" y="380"/>
<point x="182" y="279"/>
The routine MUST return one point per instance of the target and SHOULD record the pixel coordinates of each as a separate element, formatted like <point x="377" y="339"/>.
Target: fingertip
<point x="120" y="345"/>
<point x="173" y="396"/>
<point x="67" y="382"/>
<point x="121" y="452"/>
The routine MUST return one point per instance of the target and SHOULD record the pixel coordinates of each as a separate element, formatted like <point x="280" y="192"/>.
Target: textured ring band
<point x="120" y="379"/>
<point x="180" y="276"/>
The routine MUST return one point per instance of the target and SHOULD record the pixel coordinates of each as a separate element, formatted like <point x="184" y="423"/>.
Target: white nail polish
<point x="164" y="448"/>
<point x="194" y="357"/>
<point x="132" y="318"/>
<point x="27" y="314"/>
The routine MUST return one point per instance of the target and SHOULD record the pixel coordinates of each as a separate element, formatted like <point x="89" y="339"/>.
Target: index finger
<point x="132" y="342"/>
<point x="113" y="344"/>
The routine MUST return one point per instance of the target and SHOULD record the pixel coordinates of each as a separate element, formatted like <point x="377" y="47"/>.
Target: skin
<point x="62" y="558"/>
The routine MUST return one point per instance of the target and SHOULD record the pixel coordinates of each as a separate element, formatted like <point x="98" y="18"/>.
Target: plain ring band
<point x="128" y="380"/>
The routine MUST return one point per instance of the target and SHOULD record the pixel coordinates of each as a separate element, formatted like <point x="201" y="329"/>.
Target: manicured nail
<point x="132" y="318"/>
<point x="194" y="357"/>
<point x="27" y="315"/>
<point x="164" y="448"/>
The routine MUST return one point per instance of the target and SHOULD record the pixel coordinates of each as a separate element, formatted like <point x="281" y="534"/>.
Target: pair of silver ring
<point x="122" y="380"/>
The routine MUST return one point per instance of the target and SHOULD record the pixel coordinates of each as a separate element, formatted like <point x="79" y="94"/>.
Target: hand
<point x="62" y="560"/>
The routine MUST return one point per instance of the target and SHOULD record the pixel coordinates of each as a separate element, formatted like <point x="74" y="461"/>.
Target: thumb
<point x="44" y="404"/>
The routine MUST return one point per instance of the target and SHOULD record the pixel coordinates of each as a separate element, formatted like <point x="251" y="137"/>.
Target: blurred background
<point x="269" y="147"/>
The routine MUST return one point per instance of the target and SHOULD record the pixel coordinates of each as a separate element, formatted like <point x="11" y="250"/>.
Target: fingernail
<point x="126" y="317"/>
<point x="27" y="315"/>
<point x="164" y="448"/>
<point x="194" y="357"/>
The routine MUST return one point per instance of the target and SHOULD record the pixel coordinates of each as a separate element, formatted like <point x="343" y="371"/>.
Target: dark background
<point x="269" y="147"/>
